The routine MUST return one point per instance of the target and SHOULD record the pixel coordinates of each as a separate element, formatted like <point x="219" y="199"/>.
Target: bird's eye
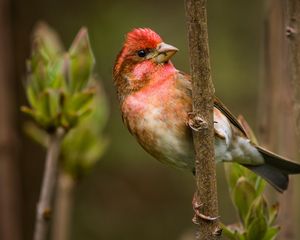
<point x="142" y="53"/>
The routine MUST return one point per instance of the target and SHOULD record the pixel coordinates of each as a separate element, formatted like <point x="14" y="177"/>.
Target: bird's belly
<point x="160" y="128"/>
<point x="167" y="139"/>
<point x="170" y="141"/>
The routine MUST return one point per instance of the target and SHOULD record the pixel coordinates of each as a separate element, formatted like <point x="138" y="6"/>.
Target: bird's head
<point x="143" y="53"/>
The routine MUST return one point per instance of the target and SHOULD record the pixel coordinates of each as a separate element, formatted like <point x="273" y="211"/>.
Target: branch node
<point x="47" y="214"/>
<point x="290" y="32"/>
<point x="218" y="231"/>
<point x="196" y="122"/>
<point x="197" y="209"/>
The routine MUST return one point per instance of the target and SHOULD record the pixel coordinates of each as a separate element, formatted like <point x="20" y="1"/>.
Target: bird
<point x="156" y="101"/>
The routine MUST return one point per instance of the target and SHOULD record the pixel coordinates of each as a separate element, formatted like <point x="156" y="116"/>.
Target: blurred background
<point x="128" y="195"/>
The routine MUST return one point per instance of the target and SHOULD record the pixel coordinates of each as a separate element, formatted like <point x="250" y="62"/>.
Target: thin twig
<point x="63" y="207"/>
<point x="205" y="199"/>
<point x="44" y="207"/>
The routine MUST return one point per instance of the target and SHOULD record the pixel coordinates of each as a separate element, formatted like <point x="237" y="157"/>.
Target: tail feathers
<point x="276" y="169"/>
<point x="279" y="180"/>
<point x="279" y="162"/>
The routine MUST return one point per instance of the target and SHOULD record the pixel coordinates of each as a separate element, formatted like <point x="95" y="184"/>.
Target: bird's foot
<point x="195" y="122"/>
<point x="197" y="210"/>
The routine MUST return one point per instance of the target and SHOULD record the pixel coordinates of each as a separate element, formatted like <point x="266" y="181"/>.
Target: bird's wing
<point x="185" y="80"/>
<point x="233" y="120"/>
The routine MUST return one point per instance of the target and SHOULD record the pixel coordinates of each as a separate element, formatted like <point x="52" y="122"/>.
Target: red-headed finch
<point x="156" y="100"/>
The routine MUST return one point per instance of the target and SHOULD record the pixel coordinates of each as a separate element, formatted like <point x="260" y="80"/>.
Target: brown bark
<point x="44" y="207"/>
<point x="292" y="32"/>
<point x="276" y="121"/>
<point x="206" y="203"/>
<point x="293" y="35"/>
<point x="10" y="227"/>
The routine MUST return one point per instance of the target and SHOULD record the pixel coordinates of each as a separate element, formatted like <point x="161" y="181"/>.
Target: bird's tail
<point x="275" y="170"/>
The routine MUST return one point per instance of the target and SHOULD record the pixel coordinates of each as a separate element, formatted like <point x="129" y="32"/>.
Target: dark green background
<point x="129" y="195"/>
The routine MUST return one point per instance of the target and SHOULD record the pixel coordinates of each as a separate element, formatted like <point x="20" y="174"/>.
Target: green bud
<point x="273" y="213"/>
<point x="257" y="229"/>
<point x="243" y="196"/>
<point x="258" y="207"/>
<point x="81" y="61"/>
<point x="46" y="42"/>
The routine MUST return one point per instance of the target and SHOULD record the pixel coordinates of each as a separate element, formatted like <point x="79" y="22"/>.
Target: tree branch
<point x="44" y="207"/>
<point x="292" y="32"/>
<point x="293" y="35"/>
<point x="205" y="200"/>
<point x="10" y="203"/>
<point x="277" y="131"/>
<point x="63" y="207"/>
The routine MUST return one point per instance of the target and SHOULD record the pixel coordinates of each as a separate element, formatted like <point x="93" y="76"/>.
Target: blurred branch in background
<point x="292" y="28"/>
<point x="81" y="150"/>
<point x="81" y="111"/>
<point x="10" y="216"/>
<point x="61" y="92"/>
<point x="276" y="112"/>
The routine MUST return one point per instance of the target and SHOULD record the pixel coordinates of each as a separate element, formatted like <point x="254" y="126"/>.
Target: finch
<point x="156" y="99"/>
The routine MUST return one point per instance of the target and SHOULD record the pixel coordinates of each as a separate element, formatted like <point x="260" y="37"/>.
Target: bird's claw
<point x="195" y="122"/>
<point x="197" y="210"/>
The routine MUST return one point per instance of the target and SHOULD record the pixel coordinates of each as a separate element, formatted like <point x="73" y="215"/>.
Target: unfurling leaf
<point x="81" y="61"/>
<point x="243" y="196"/>
<point x="46" y="41"/>
<point x="271" y="233"/>
<point x="257" y="229"/>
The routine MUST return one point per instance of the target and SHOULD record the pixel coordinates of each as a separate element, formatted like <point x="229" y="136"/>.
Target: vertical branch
<point x="293" y="35"/>
<point x="206" y="204"/>
<point x="44" y="207"/>
<point x="10" y="227"/>
<point x="63" y="207"/>
<point x="276" y="111"/>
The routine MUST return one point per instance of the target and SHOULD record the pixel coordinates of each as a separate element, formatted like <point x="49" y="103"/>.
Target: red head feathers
<point x="137" y="39"/>
<point x="141" y="38"/>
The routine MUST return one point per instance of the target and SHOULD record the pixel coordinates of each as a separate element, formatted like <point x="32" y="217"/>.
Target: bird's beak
<point x="164" y="52"/>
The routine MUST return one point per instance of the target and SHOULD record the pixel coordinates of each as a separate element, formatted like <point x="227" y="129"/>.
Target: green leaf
<point x="233" y="172"/>
<point x="28" y="111"/>
<point x="257" y="229"/>
<point x="31" y="95"/>
<point x="42" y="106"/>
<point x="258" y="207"/>
<point x="260" y="186"/>
<point x="56" y="75"/>
<point x="273" y="213"/>
<point x="37" y="134"/>
<point x="54" y="105"/>
<point x="243" y="196"/>
<point x="79" y="102"/>
<point x="272" y="233"/>
<point x="81" y="61"/>
<point x="46" y="41"/>
<point x="233" y="232"/>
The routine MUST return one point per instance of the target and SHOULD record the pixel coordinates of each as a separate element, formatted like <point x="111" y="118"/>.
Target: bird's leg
<point x="197" y="210"/>
<point x="195" y="122"/>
